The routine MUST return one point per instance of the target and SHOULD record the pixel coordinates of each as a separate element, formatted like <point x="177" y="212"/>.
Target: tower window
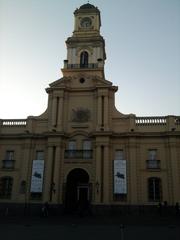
<point x="84" y="59"/>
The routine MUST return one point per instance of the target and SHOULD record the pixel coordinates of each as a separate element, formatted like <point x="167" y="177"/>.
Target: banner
<point x="37" y="176"/>
<point x="120" y="180"/>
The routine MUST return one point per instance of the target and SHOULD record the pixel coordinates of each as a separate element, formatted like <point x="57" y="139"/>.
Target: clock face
<point x="86" y="22"/>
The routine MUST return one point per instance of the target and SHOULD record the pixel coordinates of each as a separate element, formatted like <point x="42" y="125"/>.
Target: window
<point x="119" y="154"/>
<point x="72" y="145"/>
<point x="84" y="59"/>
<point x="152" y="154"/>
<point x="87" y="153"/>
<point x="152" y="162"/>
<point x="154" y="189"/>
<point x="86" y="145"/>
<point x="6" y="187"/>
<point x="39" y="155"/>
<point x="9" y="161"/>
<point x="9" y="155"/>
<point x="71" y="148"/>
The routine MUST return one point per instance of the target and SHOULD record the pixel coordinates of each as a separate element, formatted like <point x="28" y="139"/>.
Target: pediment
<point x="101" y="81"/>
<point x="73" y="82"/>
<point x="62" y="82"/>
<point x="95" y="80"/>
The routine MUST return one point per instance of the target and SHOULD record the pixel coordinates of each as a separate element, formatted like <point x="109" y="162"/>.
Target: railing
<point x="78" y="154"/>
<point x="77" y="66"/>
<point x="14" y="123"/>
<point x="153" y="164"/>
<point x="150" y="121"/>
<point x="8" y="164"/>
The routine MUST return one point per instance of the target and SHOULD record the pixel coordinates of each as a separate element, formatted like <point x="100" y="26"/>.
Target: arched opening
<point x="77" y="190"/>
<point x="84" y="59"/>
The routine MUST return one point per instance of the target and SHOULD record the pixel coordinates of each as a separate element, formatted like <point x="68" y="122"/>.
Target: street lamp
<point x="97" y="186"/>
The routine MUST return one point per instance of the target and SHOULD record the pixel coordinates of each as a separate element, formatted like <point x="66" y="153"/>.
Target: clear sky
<point x="142" y="47"/>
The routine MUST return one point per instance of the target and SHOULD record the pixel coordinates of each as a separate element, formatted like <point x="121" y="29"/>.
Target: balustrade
<point x="14" y="123"/>
<point x="90" y="66"/>
<point x="153" y="164"/>
<point x="150" y="121"/>
<point x="78" y="154"/>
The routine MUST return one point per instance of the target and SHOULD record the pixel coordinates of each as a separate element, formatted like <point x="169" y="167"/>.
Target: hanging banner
<point x="120" y="180"/>
<point x="37" y="176"/>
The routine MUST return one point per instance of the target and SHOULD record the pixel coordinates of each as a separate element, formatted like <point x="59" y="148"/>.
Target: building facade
<point x="82" y="148"/>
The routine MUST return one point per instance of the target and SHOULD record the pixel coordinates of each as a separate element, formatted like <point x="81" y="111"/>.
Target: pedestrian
<point x="45" y="209"/>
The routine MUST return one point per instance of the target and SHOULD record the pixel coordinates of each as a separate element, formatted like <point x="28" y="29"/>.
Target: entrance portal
<point x="77" y="189"/>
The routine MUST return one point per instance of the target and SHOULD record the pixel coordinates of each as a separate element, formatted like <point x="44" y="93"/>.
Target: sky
<point x="142" y="47"/>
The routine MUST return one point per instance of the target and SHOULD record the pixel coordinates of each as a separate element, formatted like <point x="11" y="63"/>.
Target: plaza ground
<point x="90" y="227"/>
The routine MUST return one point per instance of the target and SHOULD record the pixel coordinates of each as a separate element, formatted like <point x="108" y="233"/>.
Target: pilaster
<point x="175" y="170"/>
<point x="106" y="175"/>
<point x="98" y="182"/>
<point x="133" y="189"/>
<point x="48" y="174"/>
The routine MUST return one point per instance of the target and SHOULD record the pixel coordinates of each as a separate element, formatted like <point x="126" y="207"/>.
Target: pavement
<point x="70" y="227"/>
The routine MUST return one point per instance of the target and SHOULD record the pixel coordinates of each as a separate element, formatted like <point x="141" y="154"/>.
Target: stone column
<point x="47" y="175"/>
<point x="26" y="167"/>
<point x="97" y="185"/>
<point x="106" y="175"/>
<point x="56" y="175"/>
<point x="99" y="113"/>
<point x="61" y="195"/>
<point x="54" y="113"/>
<point x="174" y="170"/>
<point x="133" y="190"/>
<point x="60" y="114"/>
<point x="106" y="113"/>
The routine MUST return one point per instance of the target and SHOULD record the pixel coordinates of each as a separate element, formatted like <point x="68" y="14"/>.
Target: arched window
<point x="84" y="59"/>
<point x="154" y="189"/>
<point x="6" y="184"/>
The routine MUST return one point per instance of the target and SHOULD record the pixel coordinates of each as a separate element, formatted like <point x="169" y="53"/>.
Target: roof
<point x="87" y="6"/>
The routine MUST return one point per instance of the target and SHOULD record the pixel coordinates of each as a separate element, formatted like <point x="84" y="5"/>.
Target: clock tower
<point x="86" y="47"/>
<point x="83" y="91"/>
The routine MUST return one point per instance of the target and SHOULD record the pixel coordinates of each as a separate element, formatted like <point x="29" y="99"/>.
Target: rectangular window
<point x="9" y="155"/>
<point x="152" y="154"/>
<point x="152" y="162"/>
<point x="9" y="161"/>
<point x="71" y="149"/>
<point x="87" y="145"/>
<point x="87" y="153"/>
<point x="72" y="145"/>
<point x="39" y="155"/>
<point x="119" y="154"/>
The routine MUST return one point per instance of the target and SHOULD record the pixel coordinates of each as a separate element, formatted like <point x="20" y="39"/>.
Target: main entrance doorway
<point x="77" y="190"/>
